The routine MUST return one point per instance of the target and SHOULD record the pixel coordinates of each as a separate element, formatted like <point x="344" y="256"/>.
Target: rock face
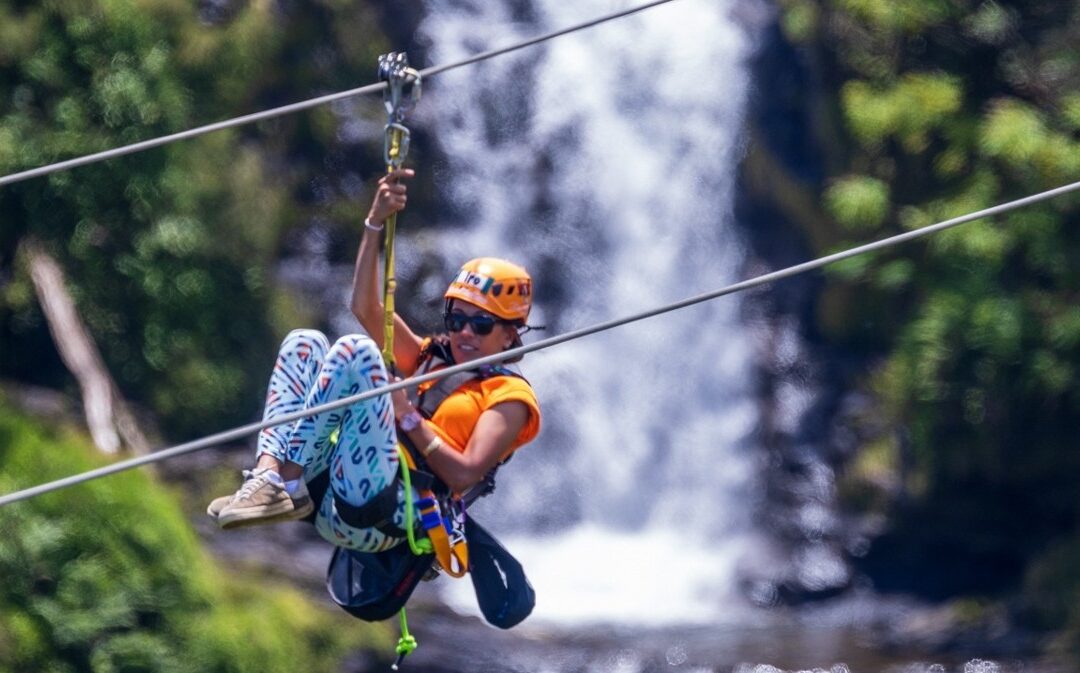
<point x="801" y="377"/>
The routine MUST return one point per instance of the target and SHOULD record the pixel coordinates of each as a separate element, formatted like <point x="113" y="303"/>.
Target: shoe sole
<point x="285" y="511"/>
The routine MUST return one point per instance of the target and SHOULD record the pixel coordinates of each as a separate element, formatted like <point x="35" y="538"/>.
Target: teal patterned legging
<point x="364" y="459"/>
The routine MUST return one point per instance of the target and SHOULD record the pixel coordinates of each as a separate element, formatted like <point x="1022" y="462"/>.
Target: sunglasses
<point x="482" y="325"/>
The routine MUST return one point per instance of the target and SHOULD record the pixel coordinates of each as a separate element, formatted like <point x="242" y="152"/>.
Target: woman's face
<point x="467" y="345"/>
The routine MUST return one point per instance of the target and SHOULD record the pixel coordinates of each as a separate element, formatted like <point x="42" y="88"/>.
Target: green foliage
<point x="160" y="255"/>
<point x="1020" y="137"/>
<point x="799" y="20"/>
<point x="851" y="268"/>
<point x="957" y="108"/>
<point x="858" y="202"/>
<point x="108" y="577"/>
<point x="909" y="109"/>
<point x="989" y="23"/>
<point x="1071" y="110"/>
<point x="902" y="16"/>
<point x="1014" y="132"/>
<point x="170" y="253"/>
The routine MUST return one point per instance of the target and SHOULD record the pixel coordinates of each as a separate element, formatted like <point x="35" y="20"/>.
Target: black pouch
<point x="374" y="586"/>
<point x="502" y="589"/>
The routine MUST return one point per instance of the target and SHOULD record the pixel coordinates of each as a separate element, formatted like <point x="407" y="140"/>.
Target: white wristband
<point x="432" y="446"/>
<point x="372" y="227"/>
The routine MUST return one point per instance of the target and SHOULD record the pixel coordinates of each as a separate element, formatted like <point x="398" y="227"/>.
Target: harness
<point x="374" y="585"/>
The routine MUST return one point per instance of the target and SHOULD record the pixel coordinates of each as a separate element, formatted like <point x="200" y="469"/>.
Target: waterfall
<point x="605" y="163"/>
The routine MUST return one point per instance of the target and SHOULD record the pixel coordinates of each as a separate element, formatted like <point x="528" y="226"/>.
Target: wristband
<point x="432" y="446"/>
<point x="410" y="421"/>
<point x="372" y="227"/>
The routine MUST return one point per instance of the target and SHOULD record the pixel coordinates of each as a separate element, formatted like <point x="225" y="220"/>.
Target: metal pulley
<point x="401" y="94"/>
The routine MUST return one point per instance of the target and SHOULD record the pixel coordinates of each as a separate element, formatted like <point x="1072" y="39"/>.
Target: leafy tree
<point x="171" y="252"/>
<point x="109" y="577"/>
<point x="947" y="108"/>
<point x="166" y="250"/>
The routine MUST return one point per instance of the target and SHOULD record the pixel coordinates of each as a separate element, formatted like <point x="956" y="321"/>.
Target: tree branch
<point x="107" y="415"/>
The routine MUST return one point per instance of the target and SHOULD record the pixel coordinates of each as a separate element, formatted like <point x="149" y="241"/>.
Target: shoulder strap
<point x="429" y="400"/>
<point x="437" y="354"/>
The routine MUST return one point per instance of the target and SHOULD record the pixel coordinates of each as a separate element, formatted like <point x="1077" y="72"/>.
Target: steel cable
<point x="310" y="103"/>
<point x="788" y="272"/>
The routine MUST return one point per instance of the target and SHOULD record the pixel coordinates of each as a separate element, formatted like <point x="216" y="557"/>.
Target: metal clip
<point x="395" y="145"/>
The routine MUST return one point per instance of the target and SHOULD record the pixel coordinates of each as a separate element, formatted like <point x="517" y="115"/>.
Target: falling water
<point x="605" y="162"/>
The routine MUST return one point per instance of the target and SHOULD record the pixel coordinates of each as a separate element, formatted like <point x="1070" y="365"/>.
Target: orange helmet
<point x="501" y="288"/>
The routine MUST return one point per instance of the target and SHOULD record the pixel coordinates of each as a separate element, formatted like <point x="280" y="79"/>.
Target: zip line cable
<point x="310" y="103"/>
<point x="788" y="272"/>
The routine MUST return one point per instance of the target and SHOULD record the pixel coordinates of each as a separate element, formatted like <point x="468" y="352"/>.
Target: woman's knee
<point x="305" y="338"/>
<point x="358" y="348"/>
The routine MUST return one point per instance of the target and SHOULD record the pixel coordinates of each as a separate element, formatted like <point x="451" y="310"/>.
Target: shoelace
<point x="252" y="483"/>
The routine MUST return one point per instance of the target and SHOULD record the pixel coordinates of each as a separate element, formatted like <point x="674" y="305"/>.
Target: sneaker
<point x="216" y="505"/>
<point x="262" y="500"/>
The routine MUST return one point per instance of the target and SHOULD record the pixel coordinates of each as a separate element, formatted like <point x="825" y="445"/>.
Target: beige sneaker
<point x="262" y="500"/>
<point x="216" y="505"/>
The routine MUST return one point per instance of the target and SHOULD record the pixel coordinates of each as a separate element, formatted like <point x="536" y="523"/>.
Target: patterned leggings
<point x="309" y="372"/>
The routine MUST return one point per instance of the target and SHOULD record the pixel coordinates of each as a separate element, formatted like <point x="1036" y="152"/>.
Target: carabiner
<point x="395" y="145"/>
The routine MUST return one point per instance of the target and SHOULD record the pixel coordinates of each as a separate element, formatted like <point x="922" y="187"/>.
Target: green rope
<point x="406" y="644"/>
<point x="423" y="545"/>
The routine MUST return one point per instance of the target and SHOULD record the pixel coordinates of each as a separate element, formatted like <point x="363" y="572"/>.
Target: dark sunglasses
<point x="482" y="325"/>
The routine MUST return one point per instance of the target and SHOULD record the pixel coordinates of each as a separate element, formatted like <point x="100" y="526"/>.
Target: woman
<point x="477" y="426"/>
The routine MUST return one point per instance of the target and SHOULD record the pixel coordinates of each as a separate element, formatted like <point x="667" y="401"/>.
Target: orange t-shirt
<point x="455" y="419"/>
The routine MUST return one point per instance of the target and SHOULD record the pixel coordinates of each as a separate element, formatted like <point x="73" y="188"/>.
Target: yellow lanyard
<point x="402" y="91"/>
<point x="394" y="135"/>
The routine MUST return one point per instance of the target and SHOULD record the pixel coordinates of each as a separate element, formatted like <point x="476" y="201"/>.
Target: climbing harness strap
<point x="378" y="512"/>
<point x="401" y="93"/>
<point x="437" y="354"/>
<point x="437" y="542"/>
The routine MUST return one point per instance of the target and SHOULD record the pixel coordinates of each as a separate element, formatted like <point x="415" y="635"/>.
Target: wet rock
<point x="961" y="626"/>
<point x="775" y="575"/>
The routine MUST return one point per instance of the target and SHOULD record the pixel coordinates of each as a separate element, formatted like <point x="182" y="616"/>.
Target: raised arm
<point x="366" y="304"/>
